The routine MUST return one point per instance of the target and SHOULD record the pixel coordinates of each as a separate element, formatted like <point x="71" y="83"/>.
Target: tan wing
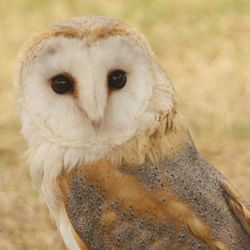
<point x="238" y="206"/>
<point x="109" y="207"/>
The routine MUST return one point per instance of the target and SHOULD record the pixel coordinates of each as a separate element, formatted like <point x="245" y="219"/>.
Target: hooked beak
<point x="92" y="100"/>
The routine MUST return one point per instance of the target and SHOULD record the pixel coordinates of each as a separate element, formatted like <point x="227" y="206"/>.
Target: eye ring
<point x="117" y="79"/>
<point x="62" y="83"/>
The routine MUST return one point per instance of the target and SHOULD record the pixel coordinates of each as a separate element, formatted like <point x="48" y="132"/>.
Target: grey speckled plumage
<point x="189" y="176"/>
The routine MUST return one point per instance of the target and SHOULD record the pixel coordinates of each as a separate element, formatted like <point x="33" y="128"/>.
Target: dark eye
<point x="117" y="79"/>
<point x="61" y="84"/>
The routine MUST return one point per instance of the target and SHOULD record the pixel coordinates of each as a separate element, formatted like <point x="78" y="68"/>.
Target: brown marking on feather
<point x="144" y="235"/>
<point x="95" y="33"/>
<point x="157" y="245"/>
<point x="240" y="209"/>
<point x="124" y="189"/>
<point x="190" y="221"/>
<point x="109" y="219"/>
<point x="209" y="196"/>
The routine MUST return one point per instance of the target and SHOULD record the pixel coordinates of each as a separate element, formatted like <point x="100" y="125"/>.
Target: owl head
<point x="88" y="85"/>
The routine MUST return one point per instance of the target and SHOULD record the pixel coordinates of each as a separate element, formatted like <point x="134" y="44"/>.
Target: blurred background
<point x="204" y="47"/>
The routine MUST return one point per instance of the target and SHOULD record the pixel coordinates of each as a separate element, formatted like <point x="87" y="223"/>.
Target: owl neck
<point x="170" y="139"/>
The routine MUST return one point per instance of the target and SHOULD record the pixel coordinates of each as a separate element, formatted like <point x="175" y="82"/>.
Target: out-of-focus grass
<point x="203" y="45"/>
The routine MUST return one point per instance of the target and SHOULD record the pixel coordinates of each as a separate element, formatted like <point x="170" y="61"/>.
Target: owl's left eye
<point x="117" y="79"/>
<point x="62" y="84"/>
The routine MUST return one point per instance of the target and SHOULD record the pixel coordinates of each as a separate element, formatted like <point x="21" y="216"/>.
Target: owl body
<point x="108" y="151"/>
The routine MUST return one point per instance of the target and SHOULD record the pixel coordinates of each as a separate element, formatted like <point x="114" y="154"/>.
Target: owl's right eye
<point x="117" y="79"/>
<point x="62" y="84"/>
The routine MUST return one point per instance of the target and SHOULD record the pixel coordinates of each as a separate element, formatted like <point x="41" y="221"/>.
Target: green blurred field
<point x="203" y="45"/>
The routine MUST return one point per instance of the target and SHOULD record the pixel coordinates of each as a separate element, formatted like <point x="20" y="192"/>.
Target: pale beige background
<point x="203" y="45"/>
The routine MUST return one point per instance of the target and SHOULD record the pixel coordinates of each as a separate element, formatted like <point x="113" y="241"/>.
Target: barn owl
<point x="108" y="150"/>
